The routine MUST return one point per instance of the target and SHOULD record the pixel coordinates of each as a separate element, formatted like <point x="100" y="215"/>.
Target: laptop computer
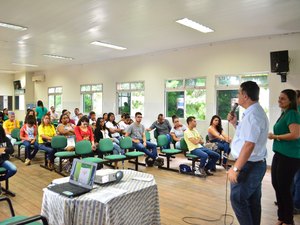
<point x="81" y="179"/>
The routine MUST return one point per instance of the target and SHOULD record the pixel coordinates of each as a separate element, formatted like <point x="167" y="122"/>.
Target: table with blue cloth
<point x="135" y="202"/>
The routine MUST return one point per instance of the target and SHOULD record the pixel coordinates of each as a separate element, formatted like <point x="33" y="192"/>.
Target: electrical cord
<point x="225" y="215"/>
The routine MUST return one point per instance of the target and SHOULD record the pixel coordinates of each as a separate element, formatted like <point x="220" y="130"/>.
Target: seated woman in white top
<point x="123" y="124"/>
<point x="113" y="127"/>
<point x="177" y="131"/>
<point x="66" y="129"/>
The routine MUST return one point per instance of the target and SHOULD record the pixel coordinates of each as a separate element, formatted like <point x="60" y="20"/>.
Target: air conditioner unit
<point x="38" y="78"/>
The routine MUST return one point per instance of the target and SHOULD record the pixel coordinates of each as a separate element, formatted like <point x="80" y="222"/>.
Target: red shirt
<point x="84" y="135"/>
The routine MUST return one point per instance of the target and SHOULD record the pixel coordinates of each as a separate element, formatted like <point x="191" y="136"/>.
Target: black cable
<point x="225" y="215"/>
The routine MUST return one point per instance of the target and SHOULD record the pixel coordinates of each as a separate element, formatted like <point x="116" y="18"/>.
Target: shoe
<point x="50" y="165"/>
<point x="202" y="172"/>
<point x="149" y="161"/>
<point x="27" y="162"/>
<point x="208" y="173"/>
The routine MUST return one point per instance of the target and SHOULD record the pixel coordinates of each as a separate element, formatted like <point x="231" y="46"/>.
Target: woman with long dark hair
<point x="286" y="160"/>
<point x="216" y="134"/>
<point x="6" y="149"/>
<point x="40" y="111"/>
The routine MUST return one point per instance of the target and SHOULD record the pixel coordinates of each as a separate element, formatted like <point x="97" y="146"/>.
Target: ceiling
<point x="67" y="27"/>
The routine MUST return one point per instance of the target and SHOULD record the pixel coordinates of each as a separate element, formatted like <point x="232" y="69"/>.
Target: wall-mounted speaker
<point x="279" y="61"/>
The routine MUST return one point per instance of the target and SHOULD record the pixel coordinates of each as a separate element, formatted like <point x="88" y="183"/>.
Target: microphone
<point x="234" y="108"/>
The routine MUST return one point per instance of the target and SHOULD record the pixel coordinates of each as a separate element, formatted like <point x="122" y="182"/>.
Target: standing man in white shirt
<point x="249" y="150"/>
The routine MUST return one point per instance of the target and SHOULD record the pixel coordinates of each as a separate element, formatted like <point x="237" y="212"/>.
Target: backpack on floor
<point x="183" y="168"/>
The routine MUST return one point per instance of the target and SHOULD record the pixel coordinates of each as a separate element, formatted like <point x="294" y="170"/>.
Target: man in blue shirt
<point x="249" y="150"/>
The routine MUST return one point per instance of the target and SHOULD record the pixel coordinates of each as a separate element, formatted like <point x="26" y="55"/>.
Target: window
<point x="54" y="97"/>
<point x="19" y="99"/>
<point x="130" y="97"/>
<point x="186" y="97"/>
<point x="91" y="96"/>
<point x="6" y="102"/>
<point x="227" y="90"/>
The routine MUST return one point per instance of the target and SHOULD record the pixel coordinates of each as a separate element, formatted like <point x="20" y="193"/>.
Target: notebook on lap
<point x="81" y="179"/>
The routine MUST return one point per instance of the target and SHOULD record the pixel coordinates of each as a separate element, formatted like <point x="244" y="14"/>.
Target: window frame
<point x="55" y="94"/>
<point x="91" y="92"/>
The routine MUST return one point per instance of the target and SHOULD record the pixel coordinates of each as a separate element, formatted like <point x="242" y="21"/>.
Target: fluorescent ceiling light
<point x="58" y="57"/>
<point x="12" y="26"/>
<point x="190" y="23"/>
<point x="24" y="64"/>
<point x="107" y="45"/>
<point x="8" y="71"/>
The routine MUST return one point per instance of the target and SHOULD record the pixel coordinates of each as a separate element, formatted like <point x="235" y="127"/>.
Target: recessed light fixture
<point x="99" y="43"/>
<point x="58" y="57"/>
<point x="12" y="26"/>
<point x="192" y="24"/>
<point x="24" y="64"/>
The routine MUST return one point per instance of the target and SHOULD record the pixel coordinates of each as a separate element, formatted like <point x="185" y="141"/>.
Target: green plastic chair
<point x="15" y="133"/>
<point x="18" y="220"/>
<point x="84" y="148"/>
<point x="126" y="143"/>
<point x="162" y="140"/>
<point x="59" y="143"/>
<point x="148" y="136"/>
<point x="184" y="148"/>
<point x="106" y="147"/>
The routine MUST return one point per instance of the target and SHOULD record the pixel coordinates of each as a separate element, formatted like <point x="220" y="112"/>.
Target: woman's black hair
<point x="292" y="96"/>
<point x="174" y="117"/>
<point x="219" y="126"/>
<point x="83" y="119"/>
<point x="108" y="117"/>
<point x="61" y="116"/>
<point x="98" y="124"/>
<point x="27" y="114"/>
<point x="30" y="119"/>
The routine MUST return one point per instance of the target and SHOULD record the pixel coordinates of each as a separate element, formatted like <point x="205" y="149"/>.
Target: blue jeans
<point x="223" y="145"/>
<point x="27" y="145"/>
<point x="149" y="146"/>
<point x="245" y="195"/>
<point x="50" y="151"/>
<point x="11" y="170"/>
<point x="117" y="149"/>
<point x="207" y="157"/>
<point x="296" y="193"/>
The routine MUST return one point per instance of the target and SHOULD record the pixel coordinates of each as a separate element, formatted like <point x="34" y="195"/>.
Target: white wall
<point x="232" y="57"/>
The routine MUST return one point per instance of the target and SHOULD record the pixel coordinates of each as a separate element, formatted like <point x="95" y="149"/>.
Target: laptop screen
<point x="83" y="173"/>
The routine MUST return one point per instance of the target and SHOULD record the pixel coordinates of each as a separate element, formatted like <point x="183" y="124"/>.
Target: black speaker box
<point x="279" y="61"/>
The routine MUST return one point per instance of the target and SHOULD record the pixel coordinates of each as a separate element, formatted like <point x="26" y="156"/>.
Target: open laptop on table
<point x="81" y="179"/>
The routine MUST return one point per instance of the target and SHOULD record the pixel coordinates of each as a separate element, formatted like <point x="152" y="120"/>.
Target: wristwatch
<point x="235" y="169"/>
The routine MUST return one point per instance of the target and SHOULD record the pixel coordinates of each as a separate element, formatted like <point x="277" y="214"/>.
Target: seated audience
<point x="1" y="118"/>
<point x="105" y="117"/>
<point x="28" y="135"/>
<point x="46" y="131"/>
<point x="53" y="114"/>
<point x="162" y="126"/>
<point x="177" y="131"/>
<point x="5" y="113"/>
<point x="124" y="123"/>
<point x="93" y="119"/>
<point x="216" y="134"/>
<point x="9" y="125"/>
<point x="30" y="112"/>
<point x="6" y="149"/>
<point x="194" y="142"/>
<point x="66" y="129"/>
<point x="68" y="113"/>
<point x="83" y="131"/>
<point x="137" y="132"/>
<point x="76" y="115"/>
<point x="113" y="127"/>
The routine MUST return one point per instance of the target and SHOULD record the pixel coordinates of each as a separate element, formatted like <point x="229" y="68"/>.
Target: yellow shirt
<point x="191" y="134"/>
<point x="48" y="130"/>
<point x="10" y="125"/>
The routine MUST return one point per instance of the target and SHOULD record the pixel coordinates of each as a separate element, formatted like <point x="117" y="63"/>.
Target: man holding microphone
<point x="249" y="150"/>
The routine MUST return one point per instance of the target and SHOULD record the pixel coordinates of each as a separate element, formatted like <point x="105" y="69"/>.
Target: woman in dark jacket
<point x="6" y="149"/>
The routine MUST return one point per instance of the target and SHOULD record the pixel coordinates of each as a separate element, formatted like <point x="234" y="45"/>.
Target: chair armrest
<point x="30" y="220"/>
<point x="4" y="198"/>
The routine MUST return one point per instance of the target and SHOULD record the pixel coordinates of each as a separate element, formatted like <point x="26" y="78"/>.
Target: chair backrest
<point x="126" y="143"/>
<point x="207" y="139"/>
<point x="15" y="133"/>
<point x="162" y="140"/>
<point x="106" y="145"/>
<point x="155" y="133"/>
<point x="59" y="142"/>
<point x="183" y="145"/>
<point x="148" y="136"/>
<point x="83" y="147"/>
